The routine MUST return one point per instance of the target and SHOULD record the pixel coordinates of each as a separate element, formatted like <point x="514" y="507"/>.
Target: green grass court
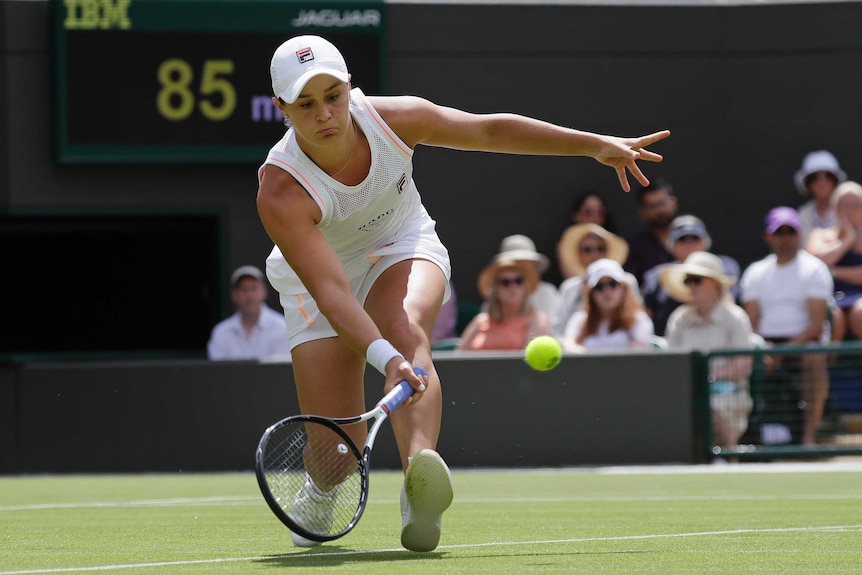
<point x="750" y="518"/>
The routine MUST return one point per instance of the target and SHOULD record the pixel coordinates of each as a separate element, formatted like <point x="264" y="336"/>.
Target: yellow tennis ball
<point x="543" y="353"/>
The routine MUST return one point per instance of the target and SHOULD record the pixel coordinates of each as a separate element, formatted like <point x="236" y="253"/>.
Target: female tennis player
<point x="359" y="268"/>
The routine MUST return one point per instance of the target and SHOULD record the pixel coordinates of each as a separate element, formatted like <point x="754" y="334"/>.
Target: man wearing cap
<point x="816" y="180"/>
<point x="255" y="330"/>
<point x="687" y="235"/>
<point x="786" y="297"/>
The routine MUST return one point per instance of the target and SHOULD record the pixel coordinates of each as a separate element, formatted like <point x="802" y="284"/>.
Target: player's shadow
<point x="335" y="556"/>
<point x="332" y="556"/>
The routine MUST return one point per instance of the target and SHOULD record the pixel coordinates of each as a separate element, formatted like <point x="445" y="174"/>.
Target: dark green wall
<point x="205" y="416"/>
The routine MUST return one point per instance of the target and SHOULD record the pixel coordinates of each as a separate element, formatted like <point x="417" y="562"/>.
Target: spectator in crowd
<point x="546" y="296"/>
<point x="816" y="181"/>
<point x="613" y="317"/>
<point x="786" y="297"/>
<point x="581" y="245"/>
<point x="510" y="320"/>
<point x="657" y="206"/>
<point x="840" y="248"/>
<point x="709" y="320"/>
<point x="590" y="208"/>
<point x="688" y="234"/>
<point x="254" y="330"/>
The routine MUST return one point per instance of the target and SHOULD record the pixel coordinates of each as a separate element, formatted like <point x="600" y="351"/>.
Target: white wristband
<point x="379" y="353"/>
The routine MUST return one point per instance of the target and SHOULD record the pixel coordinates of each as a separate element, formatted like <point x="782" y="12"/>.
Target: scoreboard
<point x="187" y="81"/>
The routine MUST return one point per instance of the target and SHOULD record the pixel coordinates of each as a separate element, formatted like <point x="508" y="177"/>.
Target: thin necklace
<point x="352" y="152"/>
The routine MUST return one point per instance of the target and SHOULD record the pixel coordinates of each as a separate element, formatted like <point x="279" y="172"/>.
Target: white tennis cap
<point x="299" y="60"/>
<point x="604" y="268"/>
<point x="245" y="271"/>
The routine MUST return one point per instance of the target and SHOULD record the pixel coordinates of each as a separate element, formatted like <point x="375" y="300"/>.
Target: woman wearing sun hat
<point x="579" y="246"/>
<point x="612" y="316"/>
<point x="546" y="296"/>
<point x="510" y="320"/>
<point x="574" y="261"/>
<point x="816" y="180"/>
<point x="708" y="319"/>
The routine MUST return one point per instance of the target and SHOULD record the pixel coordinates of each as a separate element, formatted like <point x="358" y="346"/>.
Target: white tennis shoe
<point x="426" y="494"/>
<point x="313" y="509"/>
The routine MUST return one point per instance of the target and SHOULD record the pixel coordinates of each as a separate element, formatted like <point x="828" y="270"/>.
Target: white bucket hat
<point x="818" y="161"/>
<point x="300" y="59"/>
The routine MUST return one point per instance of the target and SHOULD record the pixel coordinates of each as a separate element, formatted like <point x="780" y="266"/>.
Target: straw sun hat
<point x="567" y="248"/>
<point x="504" y="261"/>
<point x="702" y="264"/>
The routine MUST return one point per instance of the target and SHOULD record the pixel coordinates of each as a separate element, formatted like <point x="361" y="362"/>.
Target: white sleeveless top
<point x="383" y="215"/>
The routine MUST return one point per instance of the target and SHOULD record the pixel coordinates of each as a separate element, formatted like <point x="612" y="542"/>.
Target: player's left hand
<point x="622" y="154"/>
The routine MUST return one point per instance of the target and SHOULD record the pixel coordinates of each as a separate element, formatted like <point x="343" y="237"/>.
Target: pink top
<point x="509" y="333"/>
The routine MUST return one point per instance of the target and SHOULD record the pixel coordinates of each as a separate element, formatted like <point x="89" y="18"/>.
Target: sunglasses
<point x="692" y="280"/>
<point x="601" y="286"/>
<point x="506" y="282"/>
<point x="785" y="231"/>
<point x="689" y="238"/>
<point x="590" y="249"/>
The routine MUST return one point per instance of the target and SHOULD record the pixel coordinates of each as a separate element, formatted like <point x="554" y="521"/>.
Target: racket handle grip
<point x="399" y="394"/>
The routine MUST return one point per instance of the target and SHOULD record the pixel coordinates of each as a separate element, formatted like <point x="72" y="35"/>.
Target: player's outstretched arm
<point x="418" y="121"/>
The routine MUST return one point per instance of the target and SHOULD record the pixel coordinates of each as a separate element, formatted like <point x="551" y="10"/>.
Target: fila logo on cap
<point x="305" y="55"/>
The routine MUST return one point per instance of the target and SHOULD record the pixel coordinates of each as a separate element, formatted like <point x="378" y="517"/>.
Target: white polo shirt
<point x="782" y="292"/>
<point x="229" y="339"/>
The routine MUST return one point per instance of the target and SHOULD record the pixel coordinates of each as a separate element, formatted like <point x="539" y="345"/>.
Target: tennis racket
<point x="312" y="474"/>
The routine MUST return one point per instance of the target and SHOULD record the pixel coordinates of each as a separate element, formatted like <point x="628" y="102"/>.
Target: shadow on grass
<point x="334" y="556"/>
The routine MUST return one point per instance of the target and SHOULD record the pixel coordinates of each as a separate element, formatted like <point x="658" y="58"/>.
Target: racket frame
<point x="361" y="457"/>
<point x="389" y="403"/>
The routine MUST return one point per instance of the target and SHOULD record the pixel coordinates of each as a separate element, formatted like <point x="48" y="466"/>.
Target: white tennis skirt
<point x="304" y="320"/>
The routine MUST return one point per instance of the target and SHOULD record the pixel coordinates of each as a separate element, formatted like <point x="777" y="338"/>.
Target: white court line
<point x="303" y="556"/>
<point x="172" y="502"/>
<point x="852" y="465"/>
<point x="248" y="500"/>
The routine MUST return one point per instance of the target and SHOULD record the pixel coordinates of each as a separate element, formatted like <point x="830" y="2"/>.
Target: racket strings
<point x="314" y="475"/>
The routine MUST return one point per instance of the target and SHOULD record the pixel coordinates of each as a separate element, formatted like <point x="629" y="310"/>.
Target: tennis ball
<point x="543" y="353"/>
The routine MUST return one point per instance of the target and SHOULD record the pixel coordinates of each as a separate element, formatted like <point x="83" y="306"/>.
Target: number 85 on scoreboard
<point x="187" y="81"/>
